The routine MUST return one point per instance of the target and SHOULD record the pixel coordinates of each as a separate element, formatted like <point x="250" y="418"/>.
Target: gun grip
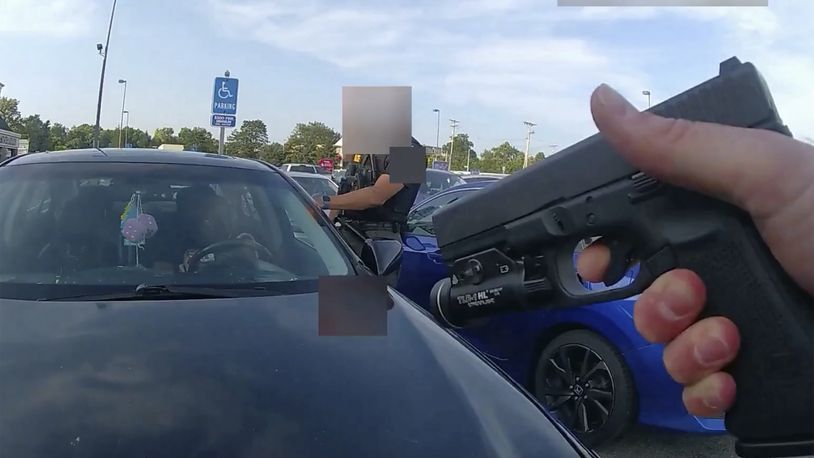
<point x="773" y="414"/>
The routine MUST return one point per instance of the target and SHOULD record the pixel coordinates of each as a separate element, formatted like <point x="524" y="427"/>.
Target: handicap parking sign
<point x="224" y="97"/>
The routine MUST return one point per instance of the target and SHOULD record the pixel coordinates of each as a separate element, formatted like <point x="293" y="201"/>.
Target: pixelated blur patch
<point x="374" y="119"/>
<point x="662" y="2"/>
<point x="408" y="165"/>
<point x="353" y="306"/>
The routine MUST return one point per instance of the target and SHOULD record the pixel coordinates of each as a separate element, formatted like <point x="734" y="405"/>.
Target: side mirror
<point x="382" y="256"/>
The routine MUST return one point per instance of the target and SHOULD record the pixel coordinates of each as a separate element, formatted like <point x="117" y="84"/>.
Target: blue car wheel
<point x="583" y="380"/>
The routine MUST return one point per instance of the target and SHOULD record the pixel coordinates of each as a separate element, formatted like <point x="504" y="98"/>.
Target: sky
<point x="490" y="64"/>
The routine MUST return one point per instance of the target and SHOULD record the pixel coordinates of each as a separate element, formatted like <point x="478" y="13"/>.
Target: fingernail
<point x="711" y="351"/>
<point x="676" y="301"/>
<point x="712" y="401"/>
<point x="613" y="101"/>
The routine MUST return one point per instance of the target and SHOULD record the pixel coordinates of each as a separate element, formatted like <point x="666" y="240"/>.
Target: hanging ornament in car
<point x="136" y="226"/>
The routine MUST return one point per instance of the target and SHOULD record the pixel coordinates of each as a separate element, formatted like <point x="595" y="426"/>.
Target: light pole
<point x="127" y="127"/>
<point x="103" y="50"/>
<point x="529" y="125"/>
<point x="647" y="93"/>
<point x="1" y="87"/>
<point x="437" y="128"/>
<point x="121" y="121"/>
<point x="454" y="124"/>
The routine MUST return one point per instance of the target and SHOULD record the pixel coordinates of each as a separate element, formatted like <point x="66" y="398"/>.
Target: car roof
<point x="467" y="186"/>
<point x="308" y="175"/>
<point x="138" y="155"/>
<point x="441" y="171"/>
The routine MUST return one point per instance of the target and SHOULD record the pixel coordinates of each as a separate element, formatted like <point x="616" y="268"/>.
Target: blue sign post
<point x="224" y="105"/>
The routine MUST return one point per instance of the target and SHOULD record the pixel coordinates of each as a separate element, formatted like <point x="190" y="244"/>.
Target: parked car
<point x="479" y="178"/>
<point x="305" y="168"/>
<point x="628" y="381"/>
<point x="437" y="181"/>
<point x="315" y="184"/>
<point x="111" y="344"/>
<point x="337" y="175"/>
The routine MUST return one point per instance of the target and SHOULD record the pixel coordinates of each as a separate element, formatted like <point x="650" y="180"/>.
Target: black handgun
<point x="519" y="256"/>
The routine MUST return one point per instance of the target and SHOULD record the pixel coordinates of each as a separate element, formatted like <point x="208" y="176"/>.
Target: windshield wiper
<point x="165" y="292"/>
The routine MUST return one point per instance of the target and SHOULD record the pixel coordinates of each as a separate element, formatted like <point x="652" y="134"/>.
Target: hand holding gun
<point x="729" y="239"/>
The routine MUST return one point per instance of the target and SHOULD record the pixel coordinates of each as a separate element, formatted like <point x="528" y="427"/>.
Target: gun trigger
<point x="620" y="258"/>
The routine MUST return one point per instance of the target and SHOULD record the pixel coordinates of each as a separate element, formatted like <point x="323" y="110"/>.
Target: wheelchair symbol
<point x="224" y="91"/>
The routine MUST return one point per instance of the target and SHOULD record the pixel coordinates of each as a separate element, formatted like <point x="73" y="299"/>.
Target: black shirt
<point x="395" y="209"/>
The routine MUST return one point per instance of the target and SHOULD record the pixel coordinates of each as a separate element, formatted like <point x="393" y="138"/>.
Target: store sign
<point x="8" y="141"/>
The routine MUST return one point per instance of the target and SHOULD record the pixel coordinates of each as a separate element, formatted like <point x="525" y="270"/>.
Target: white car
<point x="315" y="183"/>
<point x="304" y="168"/>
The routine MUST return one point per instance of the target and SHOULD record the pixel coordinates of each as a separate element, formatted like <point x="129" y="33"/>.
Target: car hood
<point x="250" y="378"/>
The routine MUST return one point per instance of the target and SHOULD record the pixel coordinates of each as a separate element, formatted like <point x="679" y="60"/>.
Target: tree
<point x="164" y="135"/>
<point x="197" y="139"/>
<point x="36" y="131"/>
<point x="273" y="154"/>
<point x="136" y="138"/>
<point x="10" y="112"/>
<point x="109" y="138"/>
<point x="249" y="140"/>
<point x="308" y="143"/>
<point x="80" y="136"/>
<point x="536" y="158"/>
<point x="503" y="158"/>
<point x="57" y="137"/>
<point x="462" y="146"/>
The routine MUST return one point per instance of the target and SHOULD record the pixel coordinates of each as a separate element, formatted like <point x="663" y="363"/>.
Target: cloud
<point x="546" y="80"/>
<point x="61" y="18"/>
<point x="503" y="65"/>
<point x="344" y="36"/>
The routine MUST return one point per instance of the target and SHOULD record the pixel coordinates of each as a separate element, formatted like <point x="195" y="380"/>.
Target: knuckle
<point x="675" y="131"/>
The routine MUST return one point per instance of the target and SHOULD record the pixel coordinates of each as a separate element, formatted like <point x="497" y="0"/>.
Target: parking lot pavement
<point x="649" y="443"/>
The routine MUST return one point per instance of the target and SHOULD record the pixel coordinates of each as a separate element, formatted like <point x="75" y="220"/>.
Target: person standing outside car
<point x="373" y="206"/>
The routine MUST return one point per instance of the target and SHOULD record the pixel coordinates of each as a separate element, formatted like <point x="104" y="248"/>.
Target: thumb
<point x="743" y="166"/>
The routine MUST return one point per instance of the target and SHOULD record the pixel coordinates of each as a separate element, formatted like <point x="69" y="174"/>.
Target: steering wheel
<point x="226" y="246"/>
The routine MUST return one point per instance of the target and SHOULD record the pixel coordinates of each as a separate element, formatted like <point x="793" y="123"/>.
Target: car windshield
<point x="301" y="168"/>
<point x="317" y="185"/>
<point x="72" y="225"/>
<point x="437" y="181"/>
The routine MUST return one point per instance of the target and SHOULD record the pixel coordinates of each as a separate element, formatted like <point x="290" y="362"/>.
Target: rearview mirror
<point x="382" y="256"/>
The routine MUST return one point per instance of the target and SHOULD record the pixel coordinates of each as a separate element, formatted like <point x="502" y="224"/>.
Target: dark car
<point x="480" y="178"/>
<point x="163" y="304"/>
<point x="437" y="181"/>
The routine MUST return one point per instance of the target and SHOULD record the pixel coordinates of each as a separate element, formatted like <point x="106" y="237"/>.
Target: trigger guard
<point x="620" y="259"/>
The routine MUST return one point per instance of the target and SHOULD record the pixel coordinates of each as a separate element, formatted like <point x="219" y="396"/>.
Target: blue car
<point x="588" y="365"/>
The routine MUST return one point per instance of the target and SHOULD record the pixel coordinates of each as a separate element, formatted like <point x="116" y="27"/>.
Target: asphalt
<point x="643" y="442"/>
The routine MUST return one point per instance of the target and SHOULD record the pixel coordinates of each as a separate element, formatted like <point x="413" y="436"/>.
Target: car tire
<point x="598" y="410"/>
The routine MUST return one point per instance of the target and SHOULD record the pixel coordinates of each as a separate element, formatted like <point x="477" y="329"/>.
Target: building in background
<point x="9" y="141"/>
